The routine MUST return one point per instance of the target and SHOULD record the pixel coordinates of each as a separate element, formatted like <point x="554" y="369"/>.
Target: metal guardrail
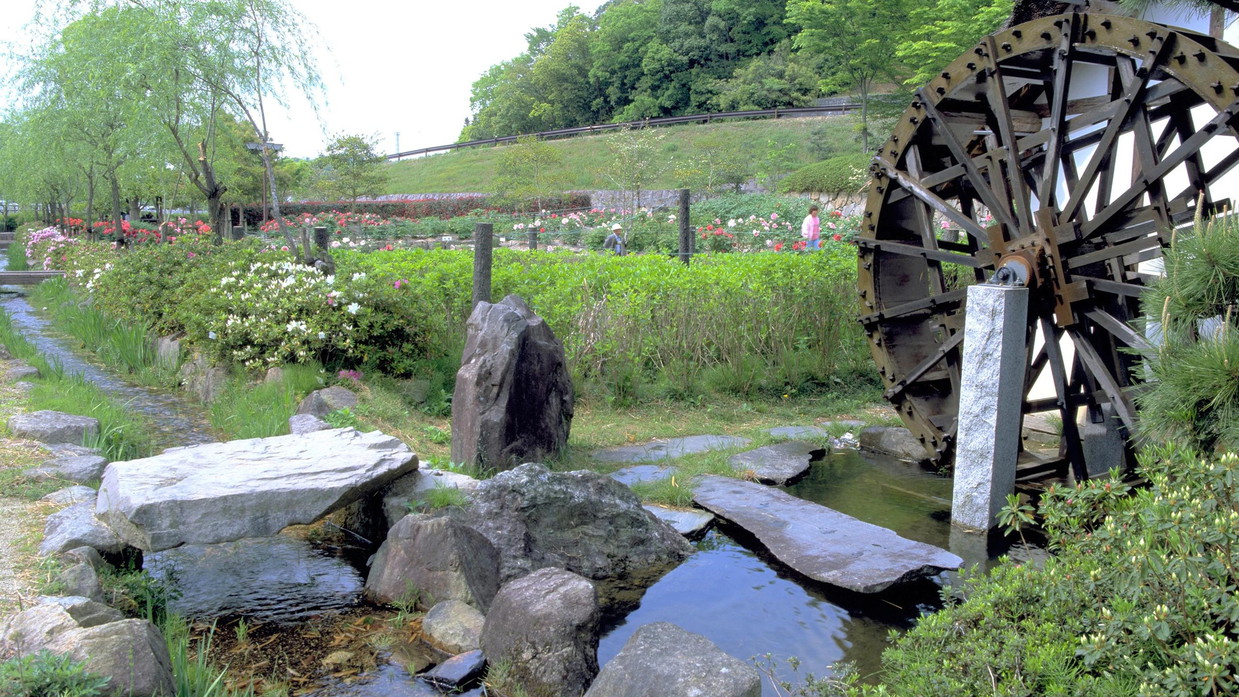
<point x="834" y="109"/>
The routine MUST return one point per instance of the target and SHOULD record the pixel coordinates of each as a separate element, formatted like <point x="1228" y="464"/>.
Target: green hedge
<point x="841" y="174"/>
<point x="441" y="208"/>
<point x="780" y="319"/>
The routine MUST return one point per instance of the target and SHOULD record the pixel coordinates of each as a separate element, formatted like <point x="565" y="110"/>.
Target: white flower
<point x="322" y="335"/>
<point x="359" y="275"/>
<point x="210" y="335"/>
<point x="353" y="308"/>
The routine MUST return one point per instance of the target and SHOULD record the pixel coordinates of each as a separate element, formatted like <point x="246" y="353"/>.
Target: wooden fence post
<point x="238" y="232"/>
<point x="686" y="233"/>
<point x="533" y="240"/>
<point x="322" y="238"/>
<point x="483" y="251"/>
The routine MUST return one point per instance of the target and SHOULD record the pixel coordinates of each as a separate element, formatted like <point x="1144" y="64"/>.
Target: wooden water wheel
<point x="1072" y="146"/>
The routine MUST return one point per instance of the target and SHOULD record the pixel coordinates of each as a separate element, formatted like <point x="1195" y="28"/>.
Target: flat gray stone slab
<point x="642" y="473"/>
<point x="779" y="463"/>
<point x="688" y="523"/>
<point x="668" y="449"/>
<point x="819" y="542"/>
<point x="219" y="492"/>
<point x="798" y="432"/>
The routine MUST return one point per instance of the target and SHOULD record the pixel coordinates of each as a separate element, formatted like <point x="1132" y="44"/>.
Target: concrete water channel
<point x="729" y="590"/>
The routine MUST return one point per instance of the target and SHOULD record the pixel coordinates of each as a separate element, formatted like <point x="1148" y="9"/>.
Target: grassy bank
<point x="763" y="144"/>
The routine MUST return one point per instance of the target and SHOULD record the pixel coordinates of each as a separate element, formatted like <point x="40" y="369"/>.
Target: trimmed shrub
<point x="441" y="208"/>
<point x="841" y="174"/>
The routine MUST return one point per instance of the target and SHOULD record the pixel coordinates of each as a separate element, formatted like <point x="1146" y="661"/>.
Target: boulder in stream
<point x="54" y="427"/>
<point x="429" y="559"/>
<point x="662" y="659"/>
<point x="896" y="441"/>
<point x="454" y="626"/>
<point x="132" y="654"/>
<point x="545" y="626"/>
<point x="582" y="521"/>
<point x="217" y="492"/>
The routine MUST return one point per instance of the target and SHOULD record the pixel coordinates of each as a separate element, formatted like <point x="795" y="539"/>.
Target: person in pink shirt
<point x="811" y="229"/>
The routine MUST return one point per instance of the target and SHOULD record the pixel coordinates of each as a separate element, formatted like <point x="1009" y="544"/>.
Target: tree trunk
<point x="135" y="210"/>
<point x="90" y="204"/>
<point x="116" y="219"/>
<point x="275" y="197"/>
<point x="214" y="194"/>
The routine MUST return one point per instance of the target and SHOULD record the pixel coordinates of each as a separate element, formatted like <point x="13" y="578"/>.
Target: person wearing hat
<point x="615" y="241"/>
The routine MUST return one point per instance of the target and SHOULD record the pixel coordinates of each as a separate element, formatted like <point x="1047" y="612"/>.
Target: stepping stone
<point x="819" y="542"/>
<point x="688" y="523"/>
<point x="894" y="440"/>
<point x="798" y="432"/>
<point x="668" y="449"/>
<point x="72" y="494"/>
<point x="642" y="473"/>
<point x="779" y="463"/>
<point x="457" y="671"/>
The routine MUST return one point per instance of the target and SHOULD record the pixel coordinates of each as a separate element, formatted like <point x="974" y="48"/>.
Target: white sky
<point x="394" y="65"/>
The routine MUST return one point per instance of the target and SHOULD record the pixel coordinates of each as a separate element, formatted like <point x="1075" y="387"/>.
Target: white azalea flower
<point x="353" y="308"/>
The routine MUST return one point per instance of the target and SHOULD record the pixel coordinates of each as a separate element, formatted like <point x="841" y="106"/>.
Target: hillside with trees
<point x="638" y="59"/>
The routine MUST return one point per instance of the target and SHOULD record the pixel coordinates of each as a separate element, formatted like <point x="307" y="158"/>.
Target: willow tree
<point x="182" y="63"/>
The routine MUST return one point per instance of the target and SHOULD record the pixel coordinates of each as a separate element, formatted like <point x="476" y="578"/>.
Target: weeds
<point x="46" y="674"/>
<point x="248" y="410"/>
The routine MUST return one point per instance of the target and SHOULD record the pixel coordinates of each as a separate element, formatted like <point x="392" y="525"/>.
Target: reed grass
<point x="123" y="346"/>
<point x="16" y="255"/>
<point x="248" y="410"/>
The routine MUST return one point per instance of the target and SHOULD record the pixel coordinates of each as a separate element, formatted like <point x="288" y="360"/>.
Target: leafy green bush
<point x="1138" y="599"/>
<point x="839" y="174"/>
<point x="46" y="674"/>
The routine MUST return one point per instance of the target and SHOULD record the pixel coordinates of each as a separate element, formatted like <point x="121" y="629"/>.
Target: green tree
<point x="636" y="160"/>
<point x="943" y="30"/>
<point x="352" y="167"/>
<point x="856" y="40"/>
<point x="529" y="171"/>
<point x="778" y="79"/>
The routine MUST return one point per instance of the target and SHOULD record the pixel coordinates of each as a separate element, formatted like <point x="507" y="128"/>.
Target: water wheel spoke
<point x="1118" y="329"/>
<point x="1104" y="379"/>
<point x="947" y="302"/>
<point x="919" y="191"/>
<point x="924" y="366"/>
<point x="1133" y="96"/>
<point x="982" y="185"/>
<point x="1058" y="93"/>
<point x="1062" y="392"/>
<point x="1005" y="129"/>
<point x="1186" y="149"/>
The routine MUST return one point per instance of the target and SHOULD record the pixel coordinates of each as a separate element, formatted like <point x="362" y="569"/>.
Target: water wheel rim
<point x="1167" y="95"/>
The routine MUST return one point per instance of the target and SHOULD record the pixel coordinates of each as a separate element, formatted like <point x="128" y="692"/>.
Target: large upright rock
<point x="218" y="492"/>
<point x="584" y="522"/>
<point x="545" y="626"/>
<point x="513" y="397"/>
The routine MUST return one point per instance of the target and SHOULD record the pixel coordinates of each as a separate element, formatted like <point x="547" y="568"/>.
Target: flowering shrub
<point x="44" y="246"/>
<point x="273" y="311"/>
<point x="409" y="208"/>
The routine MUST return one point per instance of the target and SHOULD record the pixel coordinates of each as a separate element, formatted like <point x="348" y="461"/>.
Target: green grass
<point x="123" y="346"/>
<point x="122" y="435"/>
<point x="16" y="254"/>
<point x="587" y="160"/>
<point x="248" y="410"/>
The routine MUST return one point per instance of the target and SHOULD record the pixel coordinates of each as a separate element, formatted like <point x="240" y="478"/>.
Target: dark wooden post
<point x="483" y="250"/>
<point x="686" y="232"/>
<point x="533" y="240"/>
<point x="238" y="232"/>
<point x="322" y="238"/>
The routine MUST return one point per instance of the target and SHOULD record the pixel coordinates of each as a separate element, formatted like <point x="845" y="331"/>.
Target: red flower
<point x="836" y="237"/>
<point x="837" y="214"/>
<point x="778" y="246"/>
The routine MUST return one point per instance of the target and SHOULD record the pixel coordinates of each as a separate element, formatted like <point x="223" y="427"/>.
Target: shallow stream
<point x="728" y="591"/>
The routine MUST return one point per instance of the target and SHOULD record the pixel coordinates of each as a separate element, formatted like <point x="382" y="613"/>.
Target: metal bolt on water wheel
<point x="1073" y="146"/>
